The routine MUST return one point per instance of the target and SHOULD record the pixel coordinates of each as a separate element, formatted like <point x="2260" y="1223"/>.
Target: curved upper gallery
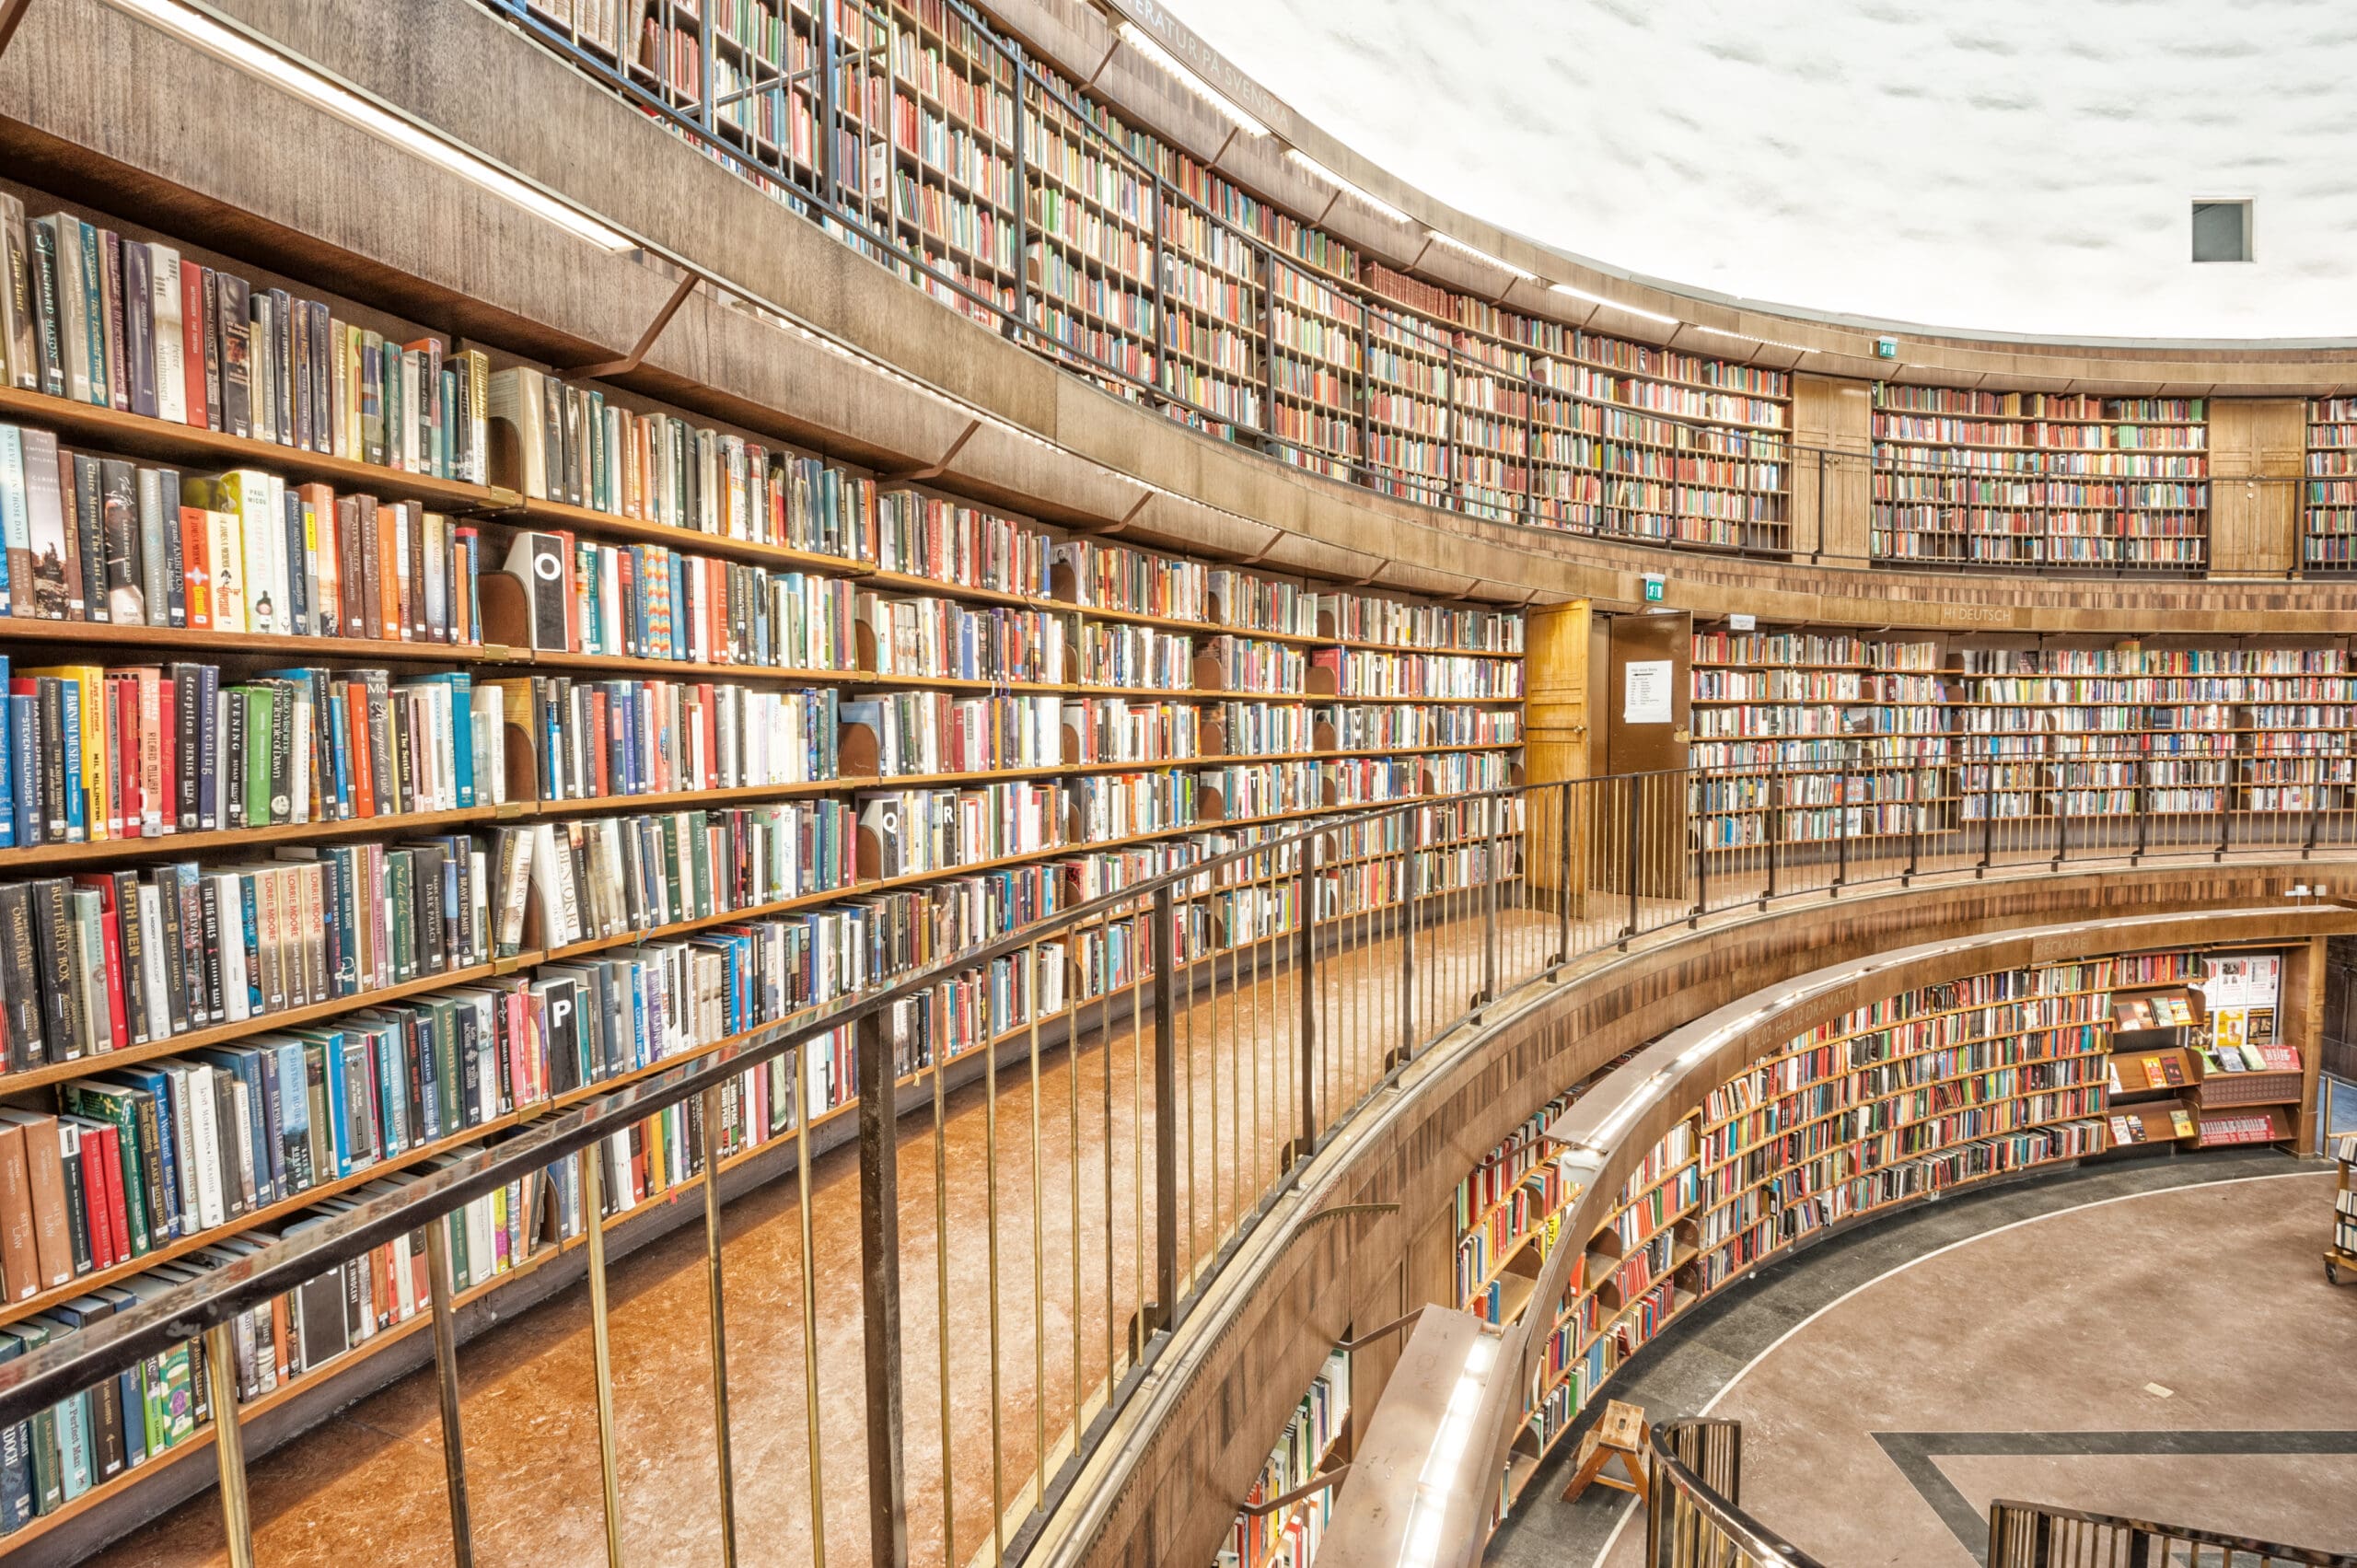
<point x="849" y="363"/>
<point x="2016" y="168"/>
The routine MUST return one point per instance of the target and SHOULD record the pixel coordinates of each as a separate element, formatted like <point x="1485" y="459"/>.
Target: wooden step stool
<point x="1620" y="1432"/>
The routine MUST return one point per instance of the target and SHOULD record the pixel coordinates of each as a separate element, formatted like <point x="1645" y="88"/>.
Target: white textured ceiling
<point x="2012" y="166"/>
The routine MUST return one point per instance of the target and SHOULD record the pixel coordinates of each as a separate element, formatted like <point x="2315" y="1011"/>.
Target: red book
<point x="393" y="615"/>
<point x="102" y="1195"/>
<point x="167" y="744"/>
<point x="123" y="696"/>
<point x="363" y="784"/>
<point x="193" y="298"/>
<point x="196" y="565"/>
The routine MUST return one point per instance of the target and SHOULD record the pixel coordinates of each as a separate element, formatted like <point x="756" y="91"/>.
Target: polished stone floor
<point x="2153" y="1339"/>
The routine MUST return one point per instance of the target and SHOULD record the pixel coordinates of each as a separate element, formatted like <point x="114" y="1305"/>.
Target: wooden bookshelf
<point x="2040" y="481"/>
<point x="1937" y="737"/>
<point x="1986" y="1076"/>
<point x="2328" y="509"/>
<point x="1439" y="713"/>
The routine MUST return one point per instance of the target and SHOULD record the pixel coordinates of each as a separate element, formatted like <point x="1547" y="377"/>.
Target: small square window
<point x="2221" y="231"/>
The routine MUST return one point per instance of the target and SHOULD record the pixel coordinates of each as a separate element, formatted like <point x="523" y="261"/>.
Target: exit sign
<point x="1886" y="348"/>
<point x="1655" y="584"/>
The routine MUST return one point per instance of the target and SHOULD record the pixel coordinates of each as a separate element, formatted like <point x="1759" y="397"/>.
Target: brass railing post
<point x="1412" y="877"/>
<point x="1563" y="880"/>
<point x="1634" y="822"/>
<point x="1159" y="1313"/>
<point x="879" y="1263"/>
<point x="441" y="1287"/>
<point x="716" y="1288"/>
<point x="1306" y="958"/>
<point x="228" y="1442"/>
<point x="1490" y="811"/>
<point x="1701" y="851"/>
<point x="593" y="1224"/>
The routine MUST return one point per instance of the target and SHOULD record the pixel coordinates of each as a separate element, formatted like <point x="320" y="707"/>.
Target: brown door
<point x="1644" y="699"/>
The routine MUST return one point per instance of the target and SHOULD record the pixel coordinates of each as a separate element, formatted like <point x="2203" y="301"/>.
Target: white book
<point x="171" y="369"/>
<point x="263" y="606"/>
<point x="552" y="880"/>
<point x="273" y="528"/>
<point x="234" y="999"/>
<point x="241" y="1111"/>
<point x="478" y="924"/>
<point x="151" y="939"/>
<point x="211" y="1206"/>
<point x="262" y="365"/>
<point x="16" y="528"/>
<point x="299" y="755"/>
<point x="490" y="750"/>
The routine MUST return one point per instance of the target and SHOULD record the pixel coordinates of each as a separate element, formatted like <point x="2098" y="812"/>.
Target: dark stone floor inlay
<point x="1916" y="1455"/>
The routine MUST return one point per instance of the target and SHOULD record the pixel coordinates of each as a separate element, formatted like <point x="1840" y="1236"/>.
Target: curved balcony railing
<point x="1693" y="1513"/>
<point x="1131" y="1132"/>
<point x="1694" y="1519"/>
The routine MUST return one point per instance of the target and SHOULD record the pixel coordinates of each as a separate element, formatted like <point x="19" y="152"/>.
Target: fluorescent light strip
<point x="1319" y="171"/>
<point x="1460" y="246"/>
<point x="1137" y="37"/>
<point x="1751" y="338"/>
<point x="1614" y="304"/>
<point x="194" y="27"/>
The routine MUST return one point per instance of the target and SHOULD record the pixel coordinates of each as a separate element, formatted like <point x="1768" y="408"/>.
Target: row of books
<point x="92" y="316"/>
<point x="104" y="540"/>
<point x="94" y="753"/>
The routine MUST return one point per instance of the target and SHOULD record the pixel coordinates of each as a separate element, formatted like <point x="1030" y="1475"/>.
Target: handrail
<point x="1694" y="1519"/>
<point x="31" y="1382"/>
<point x="2040" y="1535"/>
<point x="1693" y="1522"/>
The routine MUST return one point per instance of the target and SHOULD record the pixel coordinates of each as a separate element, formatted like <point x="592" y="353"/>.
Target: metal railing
<point x="1155" y="1066"/>
<point x="1693" y="1513"/>
<point x="1694" y="1519"/>
<point x="2037" y="1535"/>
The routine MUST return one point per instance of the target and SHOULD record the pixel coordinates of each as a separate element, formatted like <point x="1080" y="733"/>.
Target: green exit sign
<point x="1655" y="584"/>
<point x="1886" y="348"/>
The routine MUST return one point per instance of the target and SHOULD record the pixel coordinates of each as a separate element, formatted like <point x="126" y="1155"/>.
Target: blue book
<point x="301" y="569"/>
<point x="250" y="919"/>
<point x="24" y="744"/>
<point x="338" y="748"/>
<point x="9" y="763"/>
<point x="462" y="733"/>
<point x="70" y="705"/>
<point x="294" y="1118"/>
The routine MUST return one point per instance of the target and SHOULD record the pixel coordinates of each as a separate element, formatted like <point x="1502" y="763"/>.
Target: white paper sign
<point x="1646" y="697"/>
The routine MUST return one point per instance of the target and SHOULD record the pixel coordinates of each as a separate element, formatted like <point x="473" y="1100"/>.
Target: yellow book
<point x="97" y="747"/>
